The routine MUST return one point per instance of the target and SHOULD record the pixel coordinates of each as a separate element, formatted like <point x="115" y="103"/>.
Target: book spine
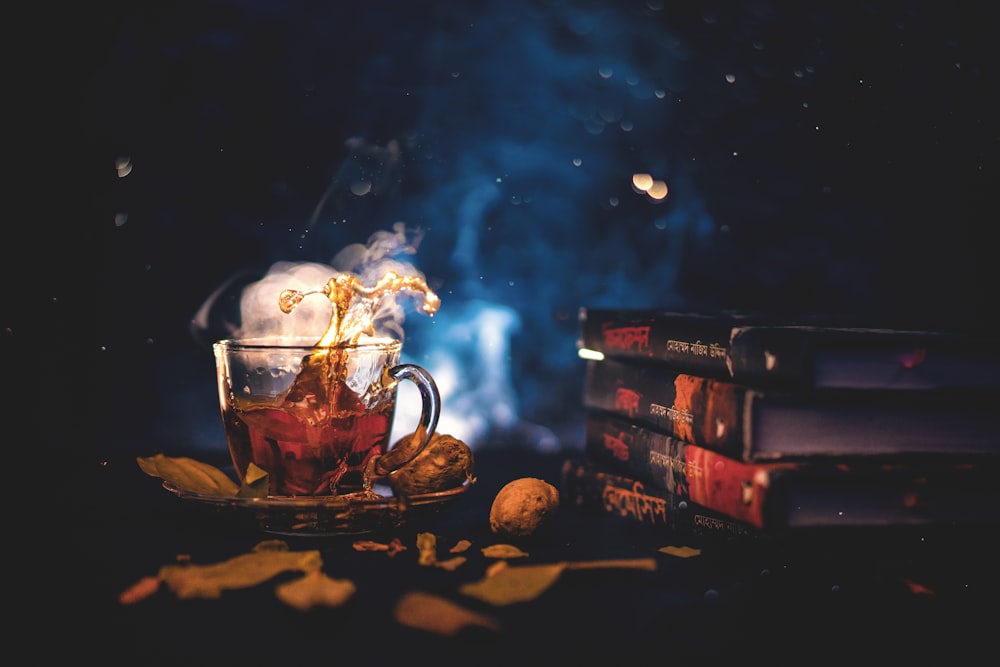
<point x="795" y="357"/>
<point x="736" y="489"/>
<point x="692" y="343"/>
<point x="588" y="487"/>
<point x="772" y="356"/>
<point x="700" y="410"/>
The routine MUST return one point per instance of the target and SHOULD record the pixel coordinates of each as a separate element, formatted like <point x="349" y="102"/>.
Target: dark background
<point x="822" y="157"/>
<point x="848" y="168"/>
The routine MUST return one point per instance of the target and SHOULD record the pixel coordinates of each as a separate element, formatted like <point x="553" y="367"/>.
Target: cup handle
<point x="406" y="450"/>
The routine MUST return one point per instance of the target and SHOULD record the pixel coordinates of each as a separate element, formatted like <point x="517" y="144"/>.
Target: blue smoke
<point x="802" y="161"/>
<point x="516" y="165"/>
<point x="525" y="144"/>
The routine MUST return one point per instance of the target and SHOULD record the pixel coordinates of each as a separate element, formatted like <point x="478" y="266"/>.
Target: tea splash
<point x="320" y="382"/>
<point x="349" y="322"/>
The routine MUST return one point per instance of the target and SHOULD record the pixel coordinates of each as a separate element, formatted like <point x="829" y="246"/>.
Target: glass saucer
<point x="353" y="514"/>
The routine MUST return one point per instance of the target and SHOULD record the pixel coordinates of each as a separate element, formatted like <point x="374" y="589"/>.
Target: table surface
<point x="914" y="597"/>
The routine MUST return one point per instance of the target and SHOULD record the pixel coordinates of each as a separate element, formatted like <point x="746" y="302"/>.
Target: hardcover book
<point x="766" y="351"/>
<point x="755" y="425"/>
<point x="778" y="497"/>
<point x="590" y="487"/>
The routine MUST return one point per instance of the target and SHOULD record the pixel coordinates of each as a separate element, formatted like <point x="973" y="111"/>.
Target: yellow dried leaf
<point x="427" y="544"/>
<point x="255" y="484"/>
<point x="460" y="547"/>
<point x="315" y="588"/>
<point x="514" y="584"/>
<point x="451" y="564"/>
<point x="424" y="611"/>
<point x="208" y="581"/>
<point x="189" y="475"/>
<point x="503" y="551"/>
<point x="680" y="552"/>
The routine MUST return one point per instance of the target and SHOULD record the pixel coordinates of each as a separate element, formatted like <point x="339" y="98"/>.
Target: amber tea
<point x="317" y="416"/>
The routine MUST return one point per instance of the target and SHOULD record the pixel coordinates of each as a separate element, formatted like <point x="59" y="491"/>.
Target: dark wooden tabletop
<point x="913" y="597"/>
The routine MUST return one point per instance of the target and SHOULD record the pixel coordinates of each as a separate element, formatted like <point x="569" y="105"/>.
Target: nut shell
<point x="445" y="463"/>
<point x="523" y="507"/>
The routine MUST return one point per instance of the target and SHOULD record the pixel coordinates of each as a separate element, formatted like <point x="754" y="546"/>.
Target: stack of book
<point x="742" y="425"/>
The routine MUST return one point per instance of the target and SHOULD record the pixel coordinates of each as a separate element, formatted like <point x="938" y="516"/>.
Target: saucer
<point x="353" y="514"/>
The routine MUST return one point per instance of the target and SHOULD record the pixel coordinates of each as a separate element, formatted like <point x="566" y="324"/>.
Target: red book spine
<point x="590" y="487"/>
<point x="699" y="410"/>
<point x="737" y="489"/>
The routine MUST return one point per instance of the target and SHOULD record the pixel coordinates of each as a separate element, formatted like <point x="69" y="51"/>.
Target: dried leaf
<point x="315" y="588"/>
<point x="427" y="544"/>
<point x="505" y="584"/>
<point x="514" y="584"/>
<point x="619" y="563"/>
<point x="140" y="590"/>
<point x="451" y="564"/>
<point x="503" y="551"/>
<point x="680" y="552"/>
<point x="189" y="475"/>
<point x="255" y="483"/>
<point x="395" y="546"/>
<point x="496" y="567"/>
<point x="392" y="548"/>
<point x="208" y="581"/>
<point x="424" y="611"/>
<point x="460" y="547"/>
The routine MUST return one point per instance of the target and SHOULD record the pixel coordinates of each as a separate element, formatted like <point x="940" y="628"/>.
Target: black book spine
<point x="695" y="343"/>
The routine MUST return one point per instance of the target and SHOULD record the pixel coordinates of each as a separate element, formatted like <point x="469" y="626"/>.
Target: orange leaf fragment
<point x="618" y="563"/>
<point x="503" y="551"/>
<point x="680" y="552"/>
<point x="393" y="547"/>
<point x="140" y="590"/>
<point x="460" y="547"/>
<point x="495" y="567"/>
<point x="427" y="545"/>
<point x="315" y="588"/>
<point x="424" y="611"/>
<point x="451" y="564"/>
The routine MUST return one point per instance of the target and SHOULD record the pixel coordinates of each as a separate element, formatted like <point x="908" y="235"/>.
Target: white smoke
<point x="259" y="312"/>
<point x="469" y="357"/>
<point x="261" y="316"/>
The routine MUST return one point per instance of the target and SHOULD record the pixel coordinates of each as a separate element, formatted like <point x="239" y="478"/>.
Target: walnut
<point x="523" y="507"/>
<point x="445" y="463"/>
